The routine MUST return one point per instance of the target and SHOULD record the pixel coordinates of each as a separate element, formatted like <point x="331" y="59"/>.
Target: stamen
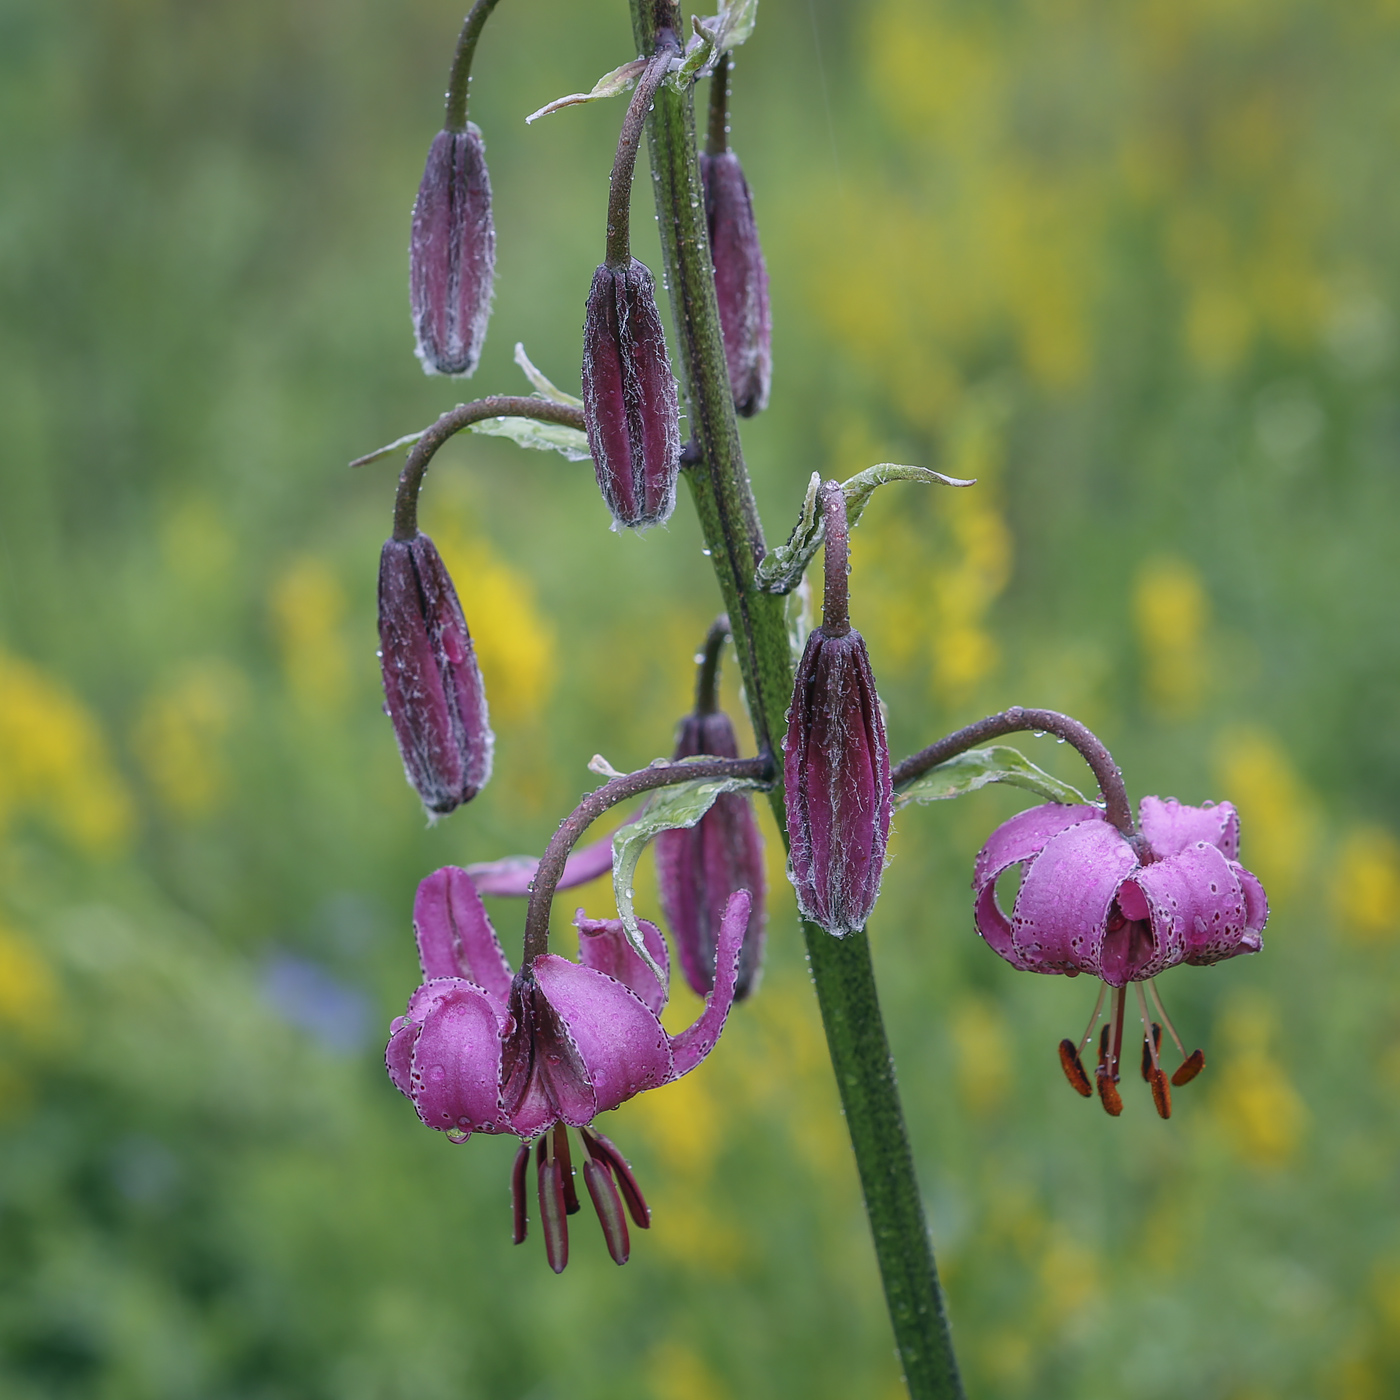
<point x="1195" y="1063"/>
<point x="517" y="1191"/>
<point x="1108" y="1093"/>
<point x="599" y="1180"/>
<point x="1151" y="1037"/>
<point x="561" y="1150"/>
<point x="1161" y="1094"/>
<point x="602" y="1150"/>
<point x="553" y="1220"/>
<point x="1073" y="1067"/>
<point x="1093" y="1020"/>
<point x="1120" y="1001"/>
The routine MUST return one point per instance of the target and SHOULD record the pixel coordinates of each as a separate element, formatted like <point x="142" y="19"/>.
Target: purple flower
<point x="452" y="254"/>
<point x="1092" y="901"/>
<point x="432" y="684"/>
<point x="630" y="408"/>
<point x="557" y="1044"/>
<point x="836" y="781"/>
<point x="700" y="867"/>
<point x="741" y="281"/>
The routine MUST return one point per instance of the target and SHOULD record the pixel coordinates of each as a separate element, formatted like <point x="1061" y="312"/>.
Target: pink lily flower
<point x="549" y="1048"/>
<point x="1092" y="901"/>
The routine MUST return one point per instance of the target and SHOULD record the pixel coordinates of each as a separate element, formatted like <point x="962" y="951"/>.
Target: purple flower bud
<point x="700" y="867"/>
<point x="629" y="397"/>
<point x="836" y="778"/>
<point x="432" y="685"/>
<point x="741" y="281"/>
<point x="452" y="254"/>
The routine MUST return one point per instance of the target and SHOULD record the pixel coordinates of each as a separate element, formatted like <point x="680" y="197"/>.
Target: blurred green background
<point x="1133" y="266"/>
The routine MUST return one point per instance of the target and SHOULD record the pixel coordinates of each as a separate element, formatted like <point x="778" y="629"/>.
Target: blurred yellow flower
<point x="980" y="1037"/>
<point x="1276" y="813"/>
<point x="307" y="603"/>
<point x="179" y="735"/>
<point x="1366" y="885"/>
<point x="1171" y="611"/>
<point x="676" y="1371"/>
<point x="1256" y="1107"/>
<point x="54" y="762"/>
<point x="1069" y="1278"/>
<point x="514" y="642"/>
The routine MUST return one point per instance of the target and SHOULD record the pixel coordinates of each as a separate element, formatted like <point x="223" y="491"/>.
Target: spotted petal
<point x="1196" y="905"/>
<point x="456" y="1063"/>
<point x="698" y="1039"/>
<point x="619" y="1040"/>
<point x="1171" y="826"/>
<point x="455" y="938"/>
<point x="1061" y="912"/>
<point x="604" y="946"/>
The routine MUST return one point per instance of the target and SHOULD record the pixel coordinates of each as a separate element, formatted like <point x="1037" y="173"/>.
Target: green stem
<point x="841" y="968"/>
<point x="455" y="117"/>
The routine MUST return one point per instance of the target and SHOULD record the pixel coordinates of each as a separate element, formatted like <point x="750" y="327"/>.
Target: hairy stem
<point x="619" y="246"/>
<point x="836" y="552"/>
<point x="1017" y="720"/>
<point x="565" y="838"/>
<point x="841" y="968"/>
<point x="463" y="416"/>
<point x="460" y="78"/>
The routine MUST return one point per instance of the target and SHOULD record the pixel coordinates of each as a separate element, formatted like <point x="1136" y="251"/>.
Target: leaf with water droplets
<point x="609" y="85"/>
<point x="997" y="763"/>
<point x="543" y="387"/>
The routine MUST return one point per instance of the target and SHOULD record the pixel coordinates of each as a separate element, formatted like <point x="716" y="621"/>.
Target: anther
<point x="517" y="1191"/>
<point x="561" y="1151"/>
<point x="1108" y="1093"/>
<point x="599" y="1179"/>
<point x="553" y="1219"/>
<point x="1194" y="1064"/>
<point x="1161" y="1093"/>
<point x="1073" y="1067"/>
<point x="601" y="1149"/>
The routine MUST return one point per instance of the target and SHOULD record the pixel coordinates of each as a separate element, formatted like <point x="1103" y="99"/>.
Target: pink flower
<point x="1093" y="901"/>
<point x="560" y="1042"/>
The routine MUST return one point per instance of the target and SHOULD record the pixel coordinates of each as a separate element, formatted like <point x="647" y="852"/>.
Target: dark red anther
<point x="1161" y="1093"/>
<point x="561" y="1151"/>
<point x="1073" y="1067"/>
<point x="1151" y="1054"/>
<point x="1194" y="1064"/>
<point x="1108" y="1093"/>
<point x="606" y="1201"/>
<point x="602" y="1150"/>
<point x="553" y="1218"/>
<point x="517" y="1191"/>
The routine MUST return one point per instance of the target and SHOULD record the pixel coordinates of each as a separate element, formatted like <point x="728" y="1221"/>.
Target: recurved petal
<point x="698" y="1039"/>
<point x="995" y="927"/>
<point x="1197" y="908"/>
<point x="604" y="946"/>
<point x="1256" y="903"/>
<point x="512" y="875"/>
<point x="398" y="1054"/>
<point x="455" y="937"/>
<point x="1024" y="835"/>
<point x="1061" y="910"/>
<point x="1171" y="826"/>
<point x="455" y="1078"/>
<point x="620" y="1042"/>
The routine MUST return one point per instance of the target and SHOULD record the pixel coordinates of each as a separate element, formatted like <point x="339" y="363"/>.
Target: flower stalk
<point x="841" y="968"/>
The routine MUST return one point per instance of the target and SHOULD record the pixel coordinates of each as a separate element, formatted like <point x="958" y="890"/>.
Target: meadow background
<point x="1134" y="267"/>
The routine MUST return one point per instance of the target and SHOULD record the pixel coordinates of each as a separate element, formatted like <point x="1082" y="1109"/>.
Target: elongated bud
<point x="700" y="867"/>
<point x="630" y="407"/>
<point x="432" y="684"/>
<point x="741" y="281"/>
<point x="452" y="254"/>
<point x="836" y="765"/>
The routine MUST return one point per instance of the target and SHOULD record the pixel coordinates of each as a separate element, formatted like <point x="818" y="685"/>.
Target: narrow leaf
<point x="680" y="806"/>
<point x="861" y="487"/>
<point x="609" y="85"/>
<point x="736" y="21"/>
<point x="530" y="432"/>
<point x="543" y="387"/>
<point x="406" y="441"/>
<point x="998" y="763"/>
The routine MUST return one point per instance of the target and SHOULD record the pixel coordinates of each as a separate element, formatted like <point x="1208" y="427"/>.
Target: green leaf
<point x="680" y="806"/>
<point x="609" y="85"/>
<point x="998" y="763"/>
<point x="782" y="568"/>
<point x="544" y="437"/>
<point x="736" y="20"/>
<point x="406" y="441"/>
<point x="543" y="387"/>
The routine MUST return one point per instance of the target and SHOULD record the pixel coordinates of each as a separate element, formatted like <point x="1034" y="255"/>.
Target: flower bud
<point x="432" y="684"/>
<point x="836" y="778"/>
<point x="699" y="867"/>
<point x="630" y="407"/>
<point x="741" y="281"/>
<point x="452" y="254"/>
